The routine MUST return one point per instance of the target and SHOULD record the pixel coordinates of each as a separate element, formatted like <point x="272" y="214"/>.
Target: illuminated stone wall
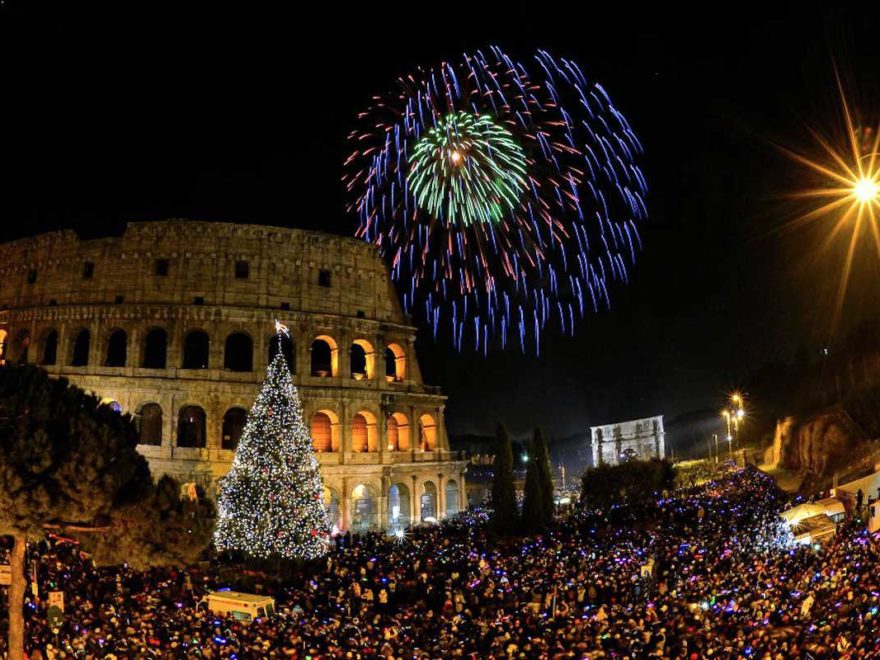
<point x="214" y="280"/>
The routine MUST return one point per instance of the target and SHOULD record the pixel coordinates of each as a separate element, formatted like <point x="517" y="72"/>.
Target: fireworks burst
<point x="504" y="198"/>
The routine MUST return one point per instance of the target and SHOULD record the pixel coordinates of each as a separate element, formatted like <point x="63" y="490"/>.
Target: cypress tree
<point x="504" y="514"/>
<point x="542" y="457"/>
<point x="538" y="503"/>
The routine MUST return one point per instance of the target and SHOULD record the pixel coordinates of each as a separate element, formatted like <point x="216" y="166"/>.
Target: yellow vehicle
<point x="242" y="606"/>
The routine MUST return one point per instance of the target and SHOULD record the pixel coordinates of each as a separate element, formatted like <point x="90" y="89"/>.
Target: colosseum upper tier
<point x="174" y="323"/>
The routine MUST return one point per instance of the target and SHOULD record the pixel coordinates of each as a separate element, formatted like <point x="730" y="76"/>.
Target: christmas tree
<point x="271" y="501"/>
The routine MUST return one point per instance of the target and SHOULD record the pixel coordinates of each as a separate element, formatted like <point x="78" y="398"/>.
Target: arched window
<point x="395" y="363"/>
<point x="151" y="424"/>
<point x="195" y="350"/>
<point x="363" y="508"/>
<point x="362" y="359"/>
<point x="359" y="433"/>
<point x="50" y="347"/>
<point x="21" y="346"/>
<point x="429" y="501"/>
<point x="331" y="504"/>
<point x="233" y="425"/>
<point x="398" y="432"/>
<point x="398" y="506"/>
<point x="191" y="427"/>
<point x="451" y="498"/>
<point x="322" y="432"/>
<point x="358" y="362"/>
<point x="363" y="432"/>
<point x="285" y="344"/>
<point x="325" y="357"/>
<point x="155" y="349"/>
<point x="427" y="433"/>
<point x="79" y="356"/>
<point x="117" y="349"/>
<point x="239" y="353"/>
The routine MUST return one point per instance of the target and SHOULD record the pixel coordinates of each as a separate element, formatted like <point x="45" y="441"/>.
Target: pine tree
<point x="538" y="503"/>
<point x="271" y="501"/>
<point x="542" y="456"/>
<point x="69" y="464"/>
<point x="504" y="514"/>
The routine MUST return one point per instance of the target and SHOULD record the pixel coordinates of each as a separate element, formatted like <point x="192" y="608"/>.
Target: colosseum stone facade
<point x="173" y="322"/>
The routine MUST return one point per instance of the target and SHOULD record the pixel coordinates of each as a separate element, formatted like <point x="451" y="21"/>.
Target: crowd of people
<point x="709" y="572"/>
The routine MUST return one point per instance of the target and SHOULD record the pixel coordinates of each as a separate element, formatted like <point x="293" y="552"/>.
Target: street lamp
<point x="865" y="190"/>
<point x="728" y="416"/>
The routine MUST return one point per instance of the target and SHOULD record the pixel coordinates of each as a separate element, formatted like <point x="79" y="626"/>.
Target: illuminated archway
<point x="331" y="504"/>
<point x="398" y="506"/>
<point x="395" y="363"/>
<point x="451" y="498"/>
<point x="325" y="357"/>
<point x="427" y="433"/>
<point x="398" y="432"/>
<point x="428" y="501"/>
<point x="364" y="435"/>
<point x="325" y="431"/>
<point x="364" y="505"/>
<point x="363" y="360"/>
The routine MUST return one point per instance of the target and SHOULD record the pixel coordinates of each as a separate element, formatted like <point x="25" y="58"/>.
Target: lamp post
<point x="733" y="415"/>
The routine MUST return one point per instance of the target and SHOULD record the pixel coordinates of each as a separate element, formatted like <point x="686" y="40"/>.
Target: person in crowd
<point x="726" y="581"/>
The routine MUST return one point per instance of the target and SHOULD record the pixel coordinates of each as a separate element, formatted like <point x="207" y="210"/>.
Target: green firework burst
<point x="467" y="169"/>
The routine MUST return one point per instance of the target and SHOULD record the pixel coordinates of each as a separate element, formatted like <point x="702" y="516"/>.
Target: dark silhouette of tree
<point x="69" y="463"/>
<point x="632" y="482"/>
<point x="504" y="514"/>
<point x="538" y="503"/>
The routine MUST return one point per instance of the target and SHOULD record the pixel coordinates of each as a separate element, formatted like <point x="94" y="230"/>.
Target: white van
<point x="242" y="606"/>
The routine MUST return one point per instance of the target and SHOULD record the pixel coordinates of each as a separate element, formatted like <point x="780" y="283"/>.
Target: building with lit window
<point x="173" y="322"/>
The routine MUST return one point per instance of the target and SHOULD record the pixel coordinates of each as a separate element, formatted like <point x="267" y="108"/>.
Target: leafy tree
<point x="538" y="505"/>
<point x="631" y="482"/>
<point x="67" y="462"/>
<point x="504" y="514"/>
<point x="167" y="528"/>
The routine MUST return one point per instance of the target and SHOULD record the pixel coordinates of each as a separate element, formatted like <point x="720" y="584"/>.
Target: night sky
<point x="113" y="112"/>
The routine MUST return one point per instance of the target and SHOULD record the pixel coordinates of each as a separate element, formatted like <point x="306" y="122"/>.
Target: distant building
<point x="640" y="439"/>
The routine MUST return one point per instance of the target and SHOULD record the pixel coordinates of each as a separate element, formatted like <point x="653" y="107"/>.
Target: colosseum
<point x="173" y="322"/>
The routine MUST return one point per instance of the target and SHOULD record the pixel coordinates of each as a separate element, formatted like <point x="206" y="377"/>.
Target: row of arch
<point x="325" y="428"/>
<point x="191" y="429"/>
<point x="191" y="426"/>
<point x="238" y="352"/>
<point x="364" y="509"/>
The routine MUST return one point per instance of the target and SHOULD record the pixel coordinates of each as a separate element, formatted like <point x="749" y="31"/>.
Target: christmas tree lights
<point x="271" y="501"/>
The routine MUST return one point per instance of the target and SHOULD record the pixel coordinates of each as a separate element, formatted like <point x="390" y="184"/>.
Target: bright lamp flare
<point x="850" y="194"/>
<point x="865" y="190"/>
